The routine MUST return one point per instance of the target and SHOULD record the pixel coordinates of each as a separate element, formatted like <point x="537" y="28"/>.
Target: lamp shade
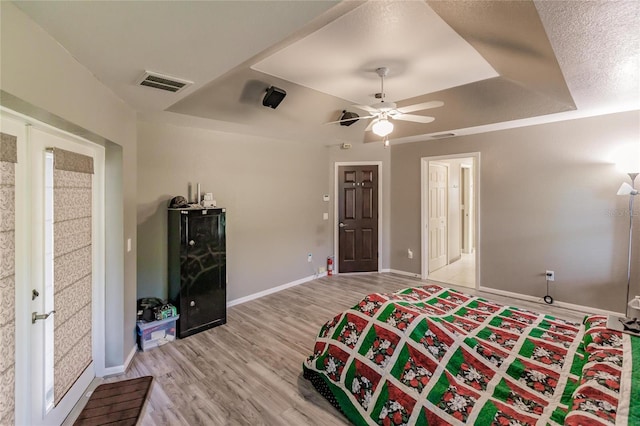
<point x="383" y="127"/>
<point x="627" y="158"/>
<point x="626" y="189"/>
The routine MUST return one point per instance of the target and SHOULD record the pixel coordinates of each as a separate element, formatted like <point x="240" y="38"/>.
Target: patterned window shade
<point x="72" y="266"/>
<point x="8" y="158"/>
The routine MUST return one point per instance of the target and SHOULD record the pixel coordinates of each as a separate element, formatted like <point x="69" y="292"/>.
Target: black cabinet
<point x="198" y="268"/>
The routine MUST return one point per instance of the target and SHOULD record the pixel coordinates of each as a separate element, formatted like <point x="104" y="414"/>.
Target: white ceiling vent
<point x="163" y="82"/>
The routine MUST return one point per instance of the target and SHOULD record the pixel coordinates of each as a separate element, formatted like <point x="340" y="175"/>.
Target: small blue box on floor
<point x="156" y="333"/>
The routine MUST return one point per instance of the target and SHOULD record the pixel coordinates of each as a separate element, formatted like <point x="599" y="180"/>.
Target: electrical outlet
<point x="551" y="276"/>
<point x="309" y="258"/>
<point x="409" y="254"/>
<point x="322" y="269"/>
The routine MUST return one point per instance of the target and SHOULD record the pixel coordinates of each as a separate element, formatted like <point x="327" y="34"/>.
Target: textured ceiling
<point x="554" y="60"/>
<point x="422" y="52"/>
<point x="598" y="45"/>
<point x="195" y="40"/>
<point x="509" y="35"/>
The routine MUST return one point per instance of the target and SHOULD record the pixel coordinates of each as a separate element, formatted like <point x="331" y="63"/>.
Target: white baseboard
<point x="272" y="290"/>
<point x="566" y="305"/>
<point x="536" y="299"/>
<point x="119" y="369"/>
<point x="405" y="273"/>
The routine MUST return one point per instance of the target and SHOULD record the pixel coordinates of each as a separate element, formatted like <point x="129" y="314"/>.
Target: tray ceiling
<point x="493" y="63"/>
<point x="423" y="54"/>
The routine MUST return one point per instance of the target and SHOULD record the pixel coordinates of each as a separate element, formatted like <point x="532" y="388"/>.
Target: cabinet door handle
<point x="192" y="303"/>
<point x="192" y="243"/>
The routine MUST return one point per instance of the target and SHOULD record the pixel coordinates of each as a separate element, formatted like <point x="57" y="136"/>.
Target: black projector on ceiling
<point x="273" y="97"/>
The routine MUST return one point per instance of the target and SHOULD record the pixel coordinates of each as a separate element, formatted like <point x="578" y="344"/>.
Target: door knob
<point x="36" y="316"/>
<point x="192" y="243"/>
<point x="193" y="303"/>
<point x="342" y="225"/>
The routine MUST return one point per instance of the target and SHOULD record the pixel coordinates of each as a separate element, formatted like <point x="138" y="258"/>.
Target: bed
<point x="433" y="355"/>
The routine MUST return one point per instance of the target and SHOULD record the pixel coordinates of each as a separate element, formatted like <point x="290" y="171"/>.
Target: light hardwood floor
<point x="249" y="371"/>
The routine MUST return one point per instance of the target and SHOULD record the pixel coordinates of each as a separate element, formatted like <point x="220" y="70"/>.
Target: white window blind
<point x="72" y="267"/>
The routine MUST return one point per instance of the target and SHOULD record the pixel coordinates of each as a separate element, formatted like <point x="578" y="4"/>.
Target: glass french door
<point x="64" y="221"/>
<point x="59" y="249"/>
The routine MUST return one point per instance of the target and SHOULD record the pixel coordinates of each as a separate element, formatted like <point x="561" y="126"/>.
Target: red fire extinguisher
<point x="329" y="265"/>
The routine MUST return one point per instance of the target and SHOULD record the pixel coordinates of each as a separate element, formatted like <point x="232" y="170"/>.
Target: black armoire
<point x="197" y="268"/>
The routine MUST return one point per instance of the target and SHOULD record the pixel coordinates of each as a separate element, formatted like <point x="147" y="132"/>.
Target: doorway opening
<point x="449" y="216"/>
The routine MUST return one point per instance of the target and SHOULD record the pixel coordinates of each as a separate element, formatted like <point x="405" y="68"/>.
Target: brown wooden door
<point x="358" y="218"/>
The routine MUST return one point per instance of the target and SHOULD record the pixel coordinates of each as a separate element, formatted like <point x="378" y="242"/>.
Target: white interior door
<point x="438" y="211"/>
<point x="467" y="209"/>
<point x="50" y="404"/>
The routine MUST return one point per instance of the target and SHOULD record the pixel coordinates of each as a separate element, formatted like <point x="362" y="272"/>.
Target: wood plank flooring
<point x="249" y="371"/>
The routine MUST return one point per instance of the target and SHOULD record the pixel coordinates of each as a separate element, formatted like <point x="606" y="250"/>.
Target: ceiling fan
<point x="383" y="111"/>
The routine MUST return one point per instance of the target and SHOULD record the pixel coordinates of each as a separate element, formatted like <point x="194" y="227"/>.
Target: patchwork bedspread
<point x="432" y="355"/>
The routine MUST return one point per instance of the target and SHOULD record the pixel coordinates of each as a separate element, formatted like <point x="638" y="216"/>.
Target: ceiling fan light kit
<point x="382" y="127"/>
<point x="384" y="111"/>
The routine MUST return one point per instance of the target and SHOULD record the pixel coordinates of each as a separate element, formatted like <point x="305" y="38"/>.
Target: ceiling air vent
<point x="163" y="82"/>
<point x="442" y="135"/>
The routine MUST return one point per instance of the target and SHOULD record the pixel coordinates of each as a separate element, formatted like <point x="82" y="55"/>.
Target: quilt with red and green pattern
<point x="435" y="356"/>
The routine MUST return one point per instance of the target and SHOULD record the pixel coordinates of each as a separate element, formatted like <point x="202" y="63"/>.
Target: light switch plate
<point x="325" y="216"/>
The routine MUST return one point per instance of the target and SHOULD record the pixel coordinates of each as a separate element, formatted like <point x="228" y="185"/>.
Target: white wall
<point x="41" y="79"/>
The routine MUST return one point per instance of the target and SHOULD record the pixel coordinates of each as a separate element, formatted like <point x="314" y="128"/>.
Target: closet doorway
<point x="450" y="197"/>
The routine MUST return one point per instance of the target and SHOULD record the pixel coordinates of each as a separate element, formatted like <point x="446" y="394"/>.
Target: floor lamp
<point x="628" y="161"/>
<point x="626" y="323"/>
<point x="631" y="191"/>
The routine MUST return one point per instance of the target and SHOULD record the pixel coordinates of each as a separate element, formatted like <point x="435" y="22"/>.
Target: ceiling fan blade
<point x="415" y="118"/>
<point x="367" y="108"/>
<point x="370" y="126"/>
<point x="419" y="107"/>
<point x="351" y="119"/>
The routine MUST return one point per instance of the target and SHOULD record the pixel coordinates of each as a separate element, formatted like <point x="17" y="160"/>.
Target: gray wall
<point x="41" y="79"/>
<point x="547" y="201"/>
<point x="272" y="191"/>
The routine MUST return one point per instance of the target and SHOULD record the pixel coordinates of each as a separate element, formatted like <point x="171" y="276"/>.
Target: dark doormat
<point x="118" y="403"/>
